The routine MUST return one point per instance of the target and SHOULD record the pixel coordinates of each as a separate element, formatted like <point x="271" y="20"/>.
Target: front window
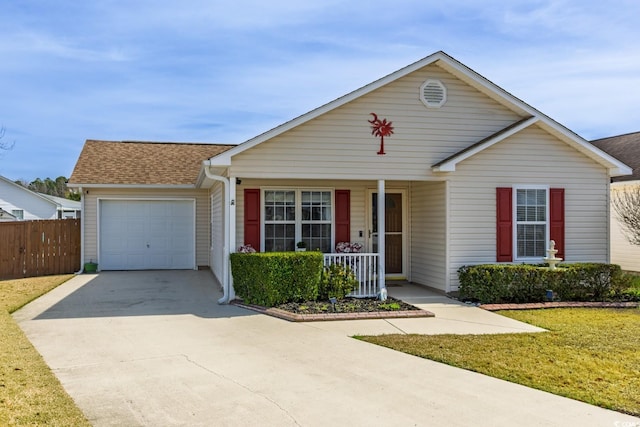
<point x="279" y="221"/>
<point x="291" y="216"/>
<point x="531" y="222"/>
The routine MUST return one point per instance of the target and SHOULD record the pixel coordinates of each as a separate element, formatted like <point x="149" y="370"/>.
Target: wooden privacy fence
<point x="39" y="248"/>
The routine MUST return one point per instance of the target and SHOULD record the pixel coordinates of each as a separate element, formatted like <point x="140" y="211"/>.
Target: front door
<point x="394" y="231"/>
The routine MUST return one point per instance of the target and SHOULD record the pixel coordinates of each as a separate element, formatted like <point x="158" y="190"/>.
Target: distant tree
<point x="5" y="145"/>
<point x="57" y="187"/>
<point x="73" y="195"/>
<point x="626" y="204"/>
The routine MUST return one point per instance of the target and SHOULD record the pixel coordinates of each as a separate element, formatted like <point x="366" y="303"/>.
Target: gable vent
<point x="433" y="93"/>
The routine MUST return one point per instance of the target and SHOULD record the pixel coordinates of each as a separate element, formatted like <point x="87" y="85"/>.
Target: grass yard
<point x="588" y="354"/>
<point x="29" y="392"/>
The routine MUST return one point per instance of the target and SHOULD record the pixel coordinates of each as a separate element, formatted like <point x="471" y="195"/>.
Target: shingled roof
<point x="625" y="148"/>
<point x="136" y="163"/>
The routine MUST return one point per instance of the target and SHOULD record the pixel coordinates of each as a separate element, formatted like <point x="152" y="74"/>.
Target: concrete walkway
<point x="452" y="317"/>
<point x="154" y="349"/>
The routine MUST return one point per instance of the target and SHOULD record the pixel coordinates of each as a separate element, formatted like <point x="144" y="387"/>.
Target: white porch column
<point x="381" y="233"/>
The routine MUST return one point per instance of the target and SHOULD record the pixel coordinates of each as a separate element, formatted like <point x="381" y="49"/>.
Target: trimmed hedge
<point x="273" y="278"/>
<point x="504" y="283"/>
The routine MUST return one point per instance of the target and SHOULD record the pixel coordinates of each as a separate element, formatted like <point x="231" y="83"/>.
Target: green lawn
<point x="592" y="355"/>
<point x="29" y="392"/>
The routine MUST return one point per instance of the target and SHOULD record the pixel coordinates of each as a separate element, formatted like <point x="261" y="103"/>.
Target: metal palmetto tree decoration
<point x="380" y="128"/>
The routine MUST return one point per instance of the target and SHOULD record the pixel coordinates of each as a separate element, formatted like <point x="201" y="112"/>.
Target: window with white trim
<point x="18" y="213"/>
<point x="279" y="220"/>
<point x="292" y="216"/>
<point x="531" y="222"/>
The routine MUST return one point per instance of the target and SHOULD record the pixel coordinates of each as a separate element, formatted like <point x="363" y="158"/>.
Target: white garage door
<point x="147" y="234"/>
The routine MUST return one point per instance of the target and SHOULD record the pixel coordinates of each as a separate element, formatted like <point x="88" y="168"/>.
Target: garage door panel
<point x="147" y="234"/>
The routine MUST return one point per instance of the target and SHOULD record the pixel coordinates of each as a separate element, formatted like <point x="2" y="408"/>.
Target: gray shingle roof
<point x="625" y="148"/>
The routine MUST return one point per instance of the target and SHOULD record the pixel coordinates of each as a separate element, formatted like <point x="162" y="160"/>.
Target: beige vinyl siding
<point x="543" y="160"/>
<point x="339" y="144"/>
<point x="358" y="195"/>
<point x="91" y="224"/>
<point x="428" y="234"/>
<point x="217" y="230"/>
<point x="623" y="253"/>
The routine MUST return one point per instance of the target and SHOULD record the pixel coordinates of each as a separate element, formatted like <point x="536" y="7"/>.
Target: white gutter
<point x="226" y="288"/>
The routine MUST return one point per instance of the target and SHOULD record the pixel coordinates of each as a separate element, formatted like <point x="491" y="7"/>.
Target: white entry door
<point x="147" y="234"/>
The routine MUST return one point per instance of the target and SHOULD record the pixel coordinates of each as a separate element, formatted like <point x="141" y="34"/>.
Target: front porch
<point x="401" y="235"/>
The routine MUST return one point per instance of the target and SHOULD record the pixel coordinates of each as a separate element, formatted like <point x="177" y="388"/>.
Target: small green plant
<point x="630" y="286"/>
<point x="337" y="282"/>
<point x="393" y="306"/>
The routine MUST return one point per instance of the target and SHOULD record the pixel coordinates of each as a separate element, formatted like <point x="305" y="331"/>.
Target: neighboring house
<point x="25" y="204"/>
<point x="66" y="208"/>
<point x="470" y="174"/>
<point x="626" y="148"/>
<point x="6" y="216"/>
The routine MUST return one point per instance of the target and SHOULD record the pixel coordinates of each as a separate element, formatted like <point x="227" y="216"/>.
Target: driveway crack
<point x="395" y="326"/>
<point x="218" y="374"/>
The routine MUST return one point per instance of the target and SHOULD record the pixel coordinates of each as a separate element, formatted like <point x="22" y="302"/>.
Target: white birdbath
<point x="551" y="258"/>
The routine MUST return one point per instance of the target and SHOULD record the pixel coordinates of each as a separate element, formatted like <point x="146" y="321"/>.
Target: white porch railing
<point x="365" y="268"/>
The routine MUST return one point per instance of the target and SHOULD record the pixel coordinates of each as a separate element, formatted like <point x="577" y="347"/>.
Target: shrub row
<point x="503" y="283"/>
<point x="274" y="278"/>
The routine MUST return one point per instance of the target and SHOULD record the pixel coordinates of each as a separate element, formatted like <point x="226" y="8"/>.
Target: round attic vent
<point x="433" y="93"/>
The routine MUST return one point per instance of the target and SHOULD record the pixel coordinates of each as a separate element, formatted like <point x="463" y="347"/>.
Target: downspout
<point x="81" y="231"/>
<point x="225" y="263"/>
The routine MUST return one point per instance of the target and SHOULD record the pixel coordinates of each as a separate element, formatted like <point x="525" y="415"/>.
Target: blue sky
<point x="213" y="71"/>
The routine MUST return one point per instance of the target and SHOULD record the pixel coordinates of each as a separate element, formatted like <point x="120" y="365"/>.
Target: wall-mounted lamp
<point x="238" y="181"/>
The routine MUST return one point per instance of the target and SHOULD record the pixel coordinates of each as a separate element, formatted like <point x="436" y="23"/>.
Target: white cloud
<point x="224" y="72"/>
<point x="35" y="44"/>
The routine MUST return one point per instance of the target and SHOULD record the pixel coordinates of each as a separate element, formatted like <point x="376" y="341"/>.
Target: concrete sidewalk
<point x="452" y="317"/>
<point x="154" y="349"/>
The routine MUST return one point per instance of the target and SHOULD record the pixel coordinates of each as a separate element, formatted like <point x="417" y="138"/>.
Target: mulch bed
<point x="346" y="309"/>
<point x="558" y="304"/>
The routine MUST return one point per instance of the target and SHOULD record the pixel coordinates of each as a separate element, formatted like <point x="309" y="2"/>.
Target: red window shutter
<point x="504" y="229"/>
<point x="252" y="217"/>
<point x="556" y="220"/>
<point x="343" y="216"/>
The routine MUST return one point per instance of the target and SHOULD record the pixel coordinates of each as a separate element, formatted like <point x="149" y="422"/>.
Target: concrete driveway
<point x="155" y="349"/>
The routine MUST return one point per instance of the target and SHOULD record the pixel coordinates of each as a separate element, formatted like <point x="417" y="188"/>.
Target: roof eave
<point x="613" y="165"/>
<point x="449" y="164"/>
<point x="132" y="186"/>
<point x="28" y="191"/>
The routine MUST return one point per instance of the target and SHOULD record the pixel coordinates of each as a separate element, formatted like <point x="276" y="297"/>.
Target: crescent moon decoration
<point x="380" y="129"/>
